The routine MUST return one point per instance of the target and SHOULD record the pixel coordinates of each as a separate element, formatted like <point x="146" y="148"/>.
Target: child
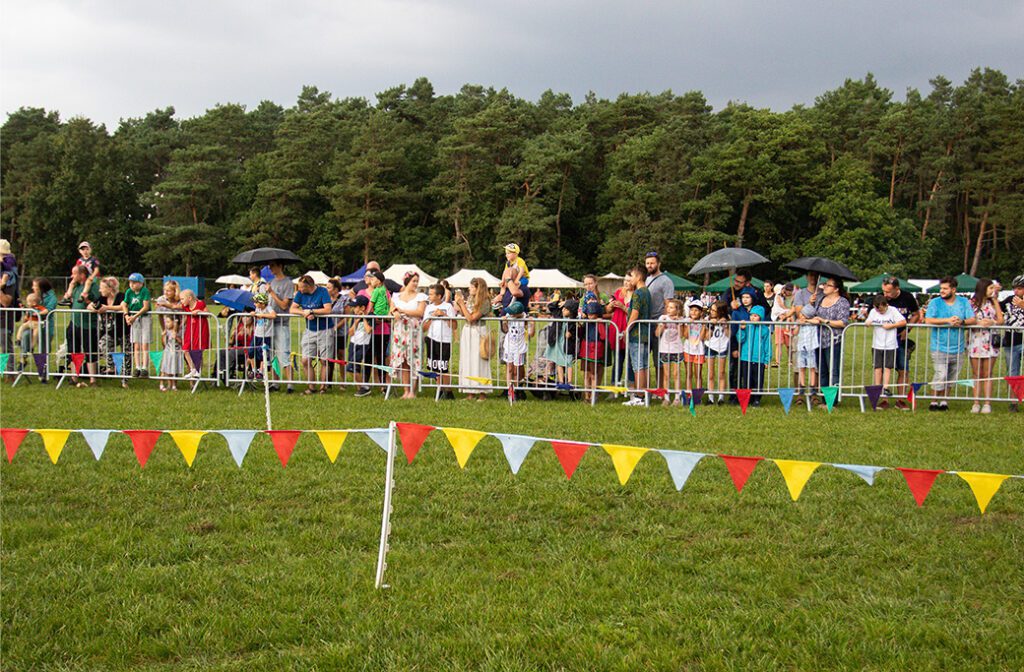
<point x="439" y="317"/>
<point x="755" y="341"/>
<point x="807" y="344"/>
<point x="718" y="349"/>
<point x="135" y="307"/>
<point x="515" y="279"/>
<point x="8" y="269"/>
<point x="693" y="346"/>
<point x="593" y="343"/>
<point x="884" y="341"/>
<point x="170" y="365"/>
<point x="561" y="340"/>
<point x="517" y="329"/>
<point x="28" y="330"/>
<point x="262" y="333"/>
<point x="359" y="342"/>
<point x="670" y="348"/>
<point x="380" y="306"/>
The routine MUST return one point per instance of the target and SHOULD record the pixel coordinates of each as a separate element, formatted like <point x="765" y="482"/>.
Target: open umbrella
<point x="822" y="266"/>
<point x="235" y="299"/>
<point x="727" y="257"/>
<point x="264" y="255"/>
<point x="232" y="279"/>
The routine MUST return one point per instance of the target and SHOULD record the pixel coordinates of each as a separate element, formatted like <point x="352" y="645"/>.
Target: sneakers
<point x="363" y="392"/>
<point x="986" y="409"/>
<point x="934" y="406"/>
<point x="634" y="401"/>
<point x="902" y="405"/>
<point x="976" y="408"/>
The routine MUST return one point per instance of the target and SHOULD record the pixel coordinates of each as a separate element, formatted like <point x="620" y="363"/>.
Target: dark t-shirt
<point x="389" y="284"/>
<point x="759" y="300"/>
<point x="641" y="302"/>
<point x="906" y="305"/>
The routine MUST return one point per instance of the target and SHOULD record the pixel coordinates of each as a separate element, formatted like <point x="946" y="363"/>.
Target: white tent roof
<point x="233" y="279"/>
<point x="396" y="271"/>
<point x="462" y="278"/>
<point x="923" y="284"/>
<point x="552" y="278"/>
<point x="319" y="277"/>
<point x="611" y="276"/>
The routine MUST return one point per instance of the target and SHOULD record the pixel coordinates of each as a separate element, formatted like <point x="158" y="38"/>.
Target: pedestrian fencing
<point x="717" y="357"/>
<point x="949" y="363"/>
<point x="168" y="346"/>
<point x="320" y="352"/>
<point x="23" y="343"/>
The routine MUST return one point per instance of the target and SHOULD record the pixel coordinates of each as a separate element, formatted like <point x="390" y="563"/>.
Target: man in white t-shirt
<point x="884" y="341"/>
<point x="439" y="320"/>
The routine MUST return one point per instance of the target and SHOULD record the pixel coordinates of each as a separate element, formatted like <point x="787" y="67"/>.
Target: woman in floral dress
<point x="982" y="347"/>
<point x="407" y="307"/>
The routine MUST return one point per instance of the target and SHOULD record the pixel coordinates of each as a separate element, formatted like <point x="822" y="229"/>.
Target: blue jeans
<point x="1013" y="357"/>
<point x="829" y="362"/>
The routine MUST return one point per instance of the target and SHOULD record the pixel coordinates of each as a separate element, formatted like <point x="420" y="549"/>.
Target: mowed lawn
<point x="108" y="566"/>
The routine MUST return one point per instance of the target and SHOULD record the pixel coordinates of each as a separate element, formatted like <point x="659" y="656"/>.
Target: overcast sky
<point x="107" y="60"/>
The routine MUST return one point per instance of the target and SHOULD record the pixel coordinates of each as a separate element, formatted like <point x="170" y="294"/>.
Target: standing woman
<point x="407" y="306"/>
<point x="338" y="326"/>
<point x="111" y="329"/>
<point x="981" y="350"/>
<point x="473" y="365"/>
<point x="832" y="311"/>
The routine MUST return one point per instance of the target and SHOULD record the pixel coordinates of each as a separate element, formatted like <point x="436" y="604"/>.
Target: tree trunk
<point x="366" y="229"/>
<point x="981" y="237"/>
<point x="558" y="216"/>
<point x="892" y="176"/>
<point x="967" y="229"/>
<point x="741" y="229"/>
<point x="931" y="194"/>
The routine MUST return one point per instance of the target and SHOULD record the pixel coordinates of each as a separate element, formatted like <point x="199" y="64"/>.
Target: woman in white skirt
<point x="473" y="366"/>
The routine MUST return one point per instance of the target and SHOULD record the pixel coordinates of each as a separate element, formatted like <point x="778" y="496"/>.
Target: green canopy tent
<point x="874" y="285"/>
<point x="682" y="284"/>
<point x="726" y="283"/>
<point x="965" y="284"/>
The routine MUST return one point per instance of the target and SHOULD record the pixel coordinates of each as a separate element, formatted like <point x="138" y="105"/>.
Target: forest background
<point x="924" y="186"/>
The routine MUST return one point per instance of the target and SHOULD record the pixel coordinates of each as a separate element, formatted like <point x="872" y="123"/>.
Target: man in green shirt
<point x="638" y="340"/>
<point x="81" y="333"/>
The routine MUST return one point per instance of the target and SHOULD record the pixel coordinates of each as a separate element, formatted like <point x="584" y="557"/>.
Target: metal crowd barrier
<point x="978" y="379"/>
<point x="95" y="345"/>
<point x="24" y="338"/>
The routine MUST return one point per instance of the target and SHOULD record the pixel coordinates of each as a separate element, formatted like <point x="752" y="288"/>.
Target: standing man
<point x="281" y="293"/>
<point x="1013" y="339"/>
<point x="639" y="335"/>
<point x="947" y="344"/>
<point x="318" y="338"/>
<point x="661" y="289"/>
<point x="906" y="305"/>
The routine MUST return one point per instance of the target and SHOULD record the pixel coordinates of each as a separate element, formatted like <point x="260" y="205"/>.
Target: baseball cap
<point x="84" y="243"/>
<point x="259" y="297"/>
<point x="652" y="253"/>
<point x="360" y="300"/>
<point x="136" y="277"/>
<point x="1018" y="281"/>
<point x="515" y="308"/>
<point x="512" y="247"/>
<point x="694" y="303"/>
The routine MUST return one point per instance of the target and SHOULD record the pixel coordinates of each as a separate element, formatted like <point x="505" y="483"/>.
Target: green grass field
<point x="107" y="566"/>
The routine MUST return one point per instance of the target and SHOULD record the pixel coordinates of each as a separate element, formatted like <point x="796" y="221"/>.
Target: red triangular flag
<point x="658" y="392"/>
<point x="284" y="443"/>
<point x="12" y="440"/>
<point x="743" y="396"/>
<point x="740" y="468"/>
<point x="920" y="482"/>
<point x="1016" y="384"/>
<point x="412" y="436"/>
<point x="77" y="358"/>
<point x="569" y="455"/>
<point x="143" y="441"/>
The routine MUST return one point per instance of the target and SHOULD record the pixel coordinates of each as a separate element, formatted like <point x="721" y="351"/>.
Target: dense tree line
<point x="924" y="186"/>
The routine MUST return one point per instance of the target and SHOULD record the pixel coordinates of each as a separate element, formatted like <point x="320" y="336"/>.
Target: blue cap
<point x="136" y="277"/>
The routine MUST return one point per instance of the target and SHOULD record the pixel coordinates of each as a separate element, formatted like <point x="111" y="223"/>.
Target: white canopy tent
<point x="552" y="278"/>
<point x="462" y="278"/>
<point x="232" y="279"/>
<point x="397" y="271"/>
<point x="319" y="277"/>
<point x="923" y="284"/>
<point x="608" y="283"/>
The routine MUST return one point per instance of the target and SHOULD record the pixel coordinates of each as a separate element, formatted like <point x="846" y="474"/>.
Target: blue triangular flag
<point x="426" y="374"/>
<point x="917" y="386"/>
<point x="680" y="465"/>
<point x="874" y="393"/>
<point x="564" y="386"/>
<point x="379" y="436"/>
<point x="864" y="471"/>
<point x="516" y="448"/>
<point x="40" y="359"/>
<point x="786" y="397"/>
<point x="118" y="358"/>
<point x="97" y="440"/>
<point x="238" y="442"/>
<point x="197" y="359"/>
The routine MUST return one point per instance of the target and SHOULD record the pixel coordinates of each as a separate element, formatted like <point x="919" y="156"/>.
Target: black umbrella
<point x="726" y="258"/>
<point x="822" y="266"/>
<point x="264" y="255"/>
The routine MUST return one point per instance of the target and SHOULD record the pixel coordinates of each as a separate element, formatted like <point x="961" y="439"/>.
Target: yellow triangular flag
<point x="463" y="442"/>
<point x="332" y="440"/>
<point x="613" y="388"/>
<point x="188" y="443"/>
<point x="984" y="486"/>
<point x="796" y="473"/>
<point x="53" y="441"/>
<point x="624" y="458"/>
<point x="477" y="379"/>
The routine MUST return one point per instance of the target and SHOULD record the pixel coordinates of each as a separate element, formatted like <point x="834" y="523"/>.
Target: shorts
<point x="513" y="358"/>
<point x="901" y="355"/>
<point x="317" y="344"/>
<point x="255" y="351"/>
<point x="357" y="354"/>
<point x="884" y="359"/>
<point x="639" y="354"/>
<point x="439" y="355"/>
<point x="717" y="354"/>
<point x="141" y="330"/>
<point x="947" y="369"/>
<point x="670" y="357"/>
<point x="691" y="358"/>
<point x="807" y="359"/>
<point x="281" y="343"/>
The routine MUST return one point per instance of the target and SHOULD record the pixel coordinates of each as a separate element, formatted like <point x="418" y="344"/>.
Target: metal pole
<point x="266" y="384"/>
<point x="385" y="522"/>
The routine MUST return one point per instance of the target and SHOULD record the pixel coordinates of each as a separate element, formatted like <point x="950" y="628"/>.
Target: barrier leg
<point x="385" y="522"/>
